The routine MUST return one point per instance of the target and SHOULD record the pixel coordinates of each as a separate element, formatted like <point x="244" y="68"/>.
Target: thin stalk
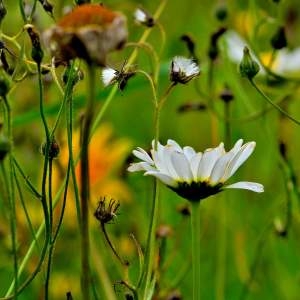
<point x="195" y="226"/>
<point x="11" y="194"/>
<point x="31" y="229"/>
<point x="112" y="246"/>
<point x="50" y="253"/>
<point x="149" y="256"/>
<point x="273" y="103"/>
<point x="69" y="117"/>
<point x="12" y="217"/>
<point x="27" y="181"/>
<point x="85" y="185"/>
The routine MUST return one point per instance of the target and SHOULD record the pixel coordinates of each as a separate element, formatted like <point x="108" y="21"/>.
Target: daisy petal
<point x="143" y="155"/>
<point x="141" y="166"/>
<point x="169" y="181"/>
<point x="208" y="161"/>
<point x="181" y="166"/>
<point x="189" y="152"/>
<point x="246" y="185"/>
<point x="242" y="155"/>
<point x="194" y="164"/>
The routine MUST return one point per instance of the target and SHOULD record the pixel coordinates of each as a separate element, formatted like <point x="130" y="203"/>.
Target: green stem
<point x="69" y="119"/>
<point x="273" y="103"/>
<point x="150" y="250"/>
<point x="11" y="194"/>
<point x="50" y="254"/>
<point x="85" y="185"/>
<point x="195" y="226"/>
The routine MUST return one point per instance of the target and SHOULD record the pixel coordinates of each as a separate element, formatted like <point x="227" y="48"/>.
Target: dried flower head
<point x="111" y="76"/>
<point x="195" y="175"/>
<point x="183" y="70"/>
<point x="142" y="17"/>
<point x="105" y="213"/>
<point x="89" y="32"/>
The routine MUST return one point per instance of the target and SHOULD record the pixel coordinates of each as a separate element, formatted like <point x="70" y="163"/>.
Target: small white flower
<point x="109" y="76"/>
<point x="183" y="69"/>
<point x="195" y="175"/>
<point x="143" y="17"/>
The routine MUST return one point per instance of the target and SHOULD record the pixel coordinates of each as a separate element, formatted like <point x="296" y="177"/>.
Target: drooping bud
<point x="47" y="6"/>
<point x="5" y="146"/>
<point x="213" y="50"/>
<point x="248" y="67"/>
<point x="36" y="52"/>
<point x="278" y="41"/>
<point x="4" y="86"/>
<point x="3" y="11"/>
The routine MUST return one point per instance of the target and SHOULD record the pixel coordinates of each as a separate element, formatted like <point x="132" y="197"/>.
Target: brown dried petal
<point x="88" y="32"/>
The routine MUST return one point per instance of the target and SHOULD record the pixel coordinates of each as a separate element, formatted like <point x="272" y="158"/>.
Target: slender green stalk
<point x="273" y="103"/>
<point x="21" y="197"/>
<point x="12" y="217"/>
<point x="11" y="194"/>
<point x="85" y="185"/>
<point x="50" y="253"/>
<point x="195" y="226"/>
<point x="150" y="250"/>
<point x="69" y="118"/>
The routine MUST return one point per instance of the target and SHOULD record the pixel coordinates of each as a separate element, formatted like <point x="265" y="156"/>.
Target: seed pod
<point x="36" y="52"/>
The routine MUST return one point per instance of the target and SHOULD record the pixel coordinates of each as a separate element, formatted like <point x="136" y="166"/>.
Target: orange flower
<point x="107" y="156"/>
<point x="89" y="32"/>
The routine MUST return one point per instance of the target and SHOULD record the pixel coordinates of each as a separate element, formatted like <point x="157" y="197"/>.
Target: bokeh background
<point x="249" y="242"/>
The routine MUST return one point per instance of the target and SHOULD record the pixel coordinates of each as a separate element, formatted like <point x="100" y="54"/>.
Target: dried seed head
<point x="105" y="213"/>
<point x="53" y="149"/>
<point x="89" y="32"/>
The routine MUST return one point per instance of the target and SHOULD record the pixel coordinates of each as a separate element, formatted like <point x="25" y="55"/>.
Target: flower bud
<point x="226" y="95"/>
<point x="221" y="13"/>
<point x="53" y="149"/>
<point x="278" y="41"/>
<point x="248" y="67"/>
<point x="36" y="52"/>
<point x="5" y="146"/>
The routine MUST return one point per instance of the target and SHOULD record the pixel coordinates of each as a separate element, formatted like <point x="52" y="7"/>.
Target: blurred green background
<point x="243" y="254"/>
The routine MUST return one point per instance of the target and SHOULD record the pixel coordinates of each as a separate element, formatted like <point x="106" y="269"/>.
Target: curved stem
<point x="272" y="103"/>
<point x="195" y="226"/>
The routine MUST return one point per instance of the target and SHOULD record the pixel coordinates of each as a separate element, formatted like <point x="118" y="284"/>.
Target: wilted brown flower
<point x="89" y="32"/>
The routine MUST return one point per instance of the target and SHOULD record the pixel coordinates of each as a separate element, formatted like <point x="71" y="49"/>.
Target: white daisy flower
<point x="109" y="76"/>
<point x="183" y="70"/>
<point x="195" y="175"/>
<point x="143" y="17"/>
